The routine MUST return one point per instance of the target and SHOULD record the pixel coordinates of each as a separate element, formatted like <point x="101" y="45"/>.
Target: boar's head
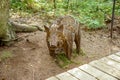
<point x="55" y="39"/>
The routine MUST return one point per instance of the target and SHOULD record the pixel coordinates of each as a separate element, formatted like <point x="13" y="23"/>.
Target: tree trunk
<point x="6" y="32"/>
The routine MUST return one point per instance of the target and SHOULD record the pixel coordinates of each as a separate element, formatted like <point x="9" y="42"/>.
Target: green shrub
<point x="92" y="13"/>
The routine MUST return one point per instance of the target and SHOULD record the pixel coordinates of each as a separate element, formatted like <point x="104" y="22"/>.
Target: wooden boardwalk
<point x="107" y="68"/>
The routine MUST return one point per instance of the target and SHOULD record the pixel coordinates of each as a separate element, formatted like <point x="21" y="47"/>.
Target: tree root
<point x="17" y="27"/>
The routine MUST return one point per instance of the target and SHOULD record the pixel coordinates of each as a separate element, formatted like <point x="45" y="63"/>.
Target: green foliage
<point x="24" y="5"/>
<point x="62" y="61"/>
<point x="92" y="13"/>
<point x="18" y="5"/>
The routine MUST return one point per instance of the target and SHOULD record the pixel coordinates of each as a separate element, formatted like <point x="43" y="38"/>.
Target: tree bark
<point x="6" y="32"/>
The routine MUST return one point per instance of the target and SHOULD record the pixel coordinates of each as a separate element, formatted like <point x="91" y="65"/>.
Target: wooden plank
<point x="106" y="68"/>
<point x="111" y="62"/>
<point x="81" y="74"/>
<point x="66" y="76"/>
<point x="52" y="78"/>
<point x="114" y="57"/>
<point x="96" y="73"/>
<point x="118" y="53"/>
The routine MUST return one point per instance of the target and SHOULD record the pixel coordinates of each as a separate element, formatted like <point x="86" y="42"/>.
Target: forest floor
<point x="29" y="59"/>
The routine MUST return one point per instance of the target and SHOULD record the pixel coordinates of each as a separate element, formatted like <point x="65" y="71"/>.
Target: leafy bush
<point x="24" y="5"/>
<point x="92" y="13"/>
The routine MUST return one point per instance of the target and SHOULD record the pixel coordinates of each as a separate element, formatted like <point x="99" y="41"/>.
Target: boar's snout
<point x="52" y="47"/>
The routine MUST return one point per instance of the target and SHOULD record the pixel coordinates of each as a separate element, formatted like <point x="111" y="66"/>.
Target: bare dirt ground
<point x="31" y="60"/>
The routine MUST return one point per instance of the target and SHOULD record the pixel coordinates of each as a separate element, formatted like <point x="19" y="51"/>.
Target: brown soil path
<point x="31" y="60"/>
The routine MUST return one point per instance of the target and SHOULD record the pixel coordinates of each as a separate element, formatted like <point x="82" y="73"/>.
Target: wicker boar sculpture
<point x="61" y="35"/>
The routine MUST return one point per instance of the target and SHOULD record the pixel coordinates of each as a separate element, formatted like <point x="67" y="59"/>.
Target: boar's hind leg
<point x="77" y="42"/>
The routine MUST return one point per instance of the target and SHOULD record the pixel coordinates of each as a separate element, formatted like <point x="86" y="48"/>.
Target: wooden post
<point x="113" y="11"/>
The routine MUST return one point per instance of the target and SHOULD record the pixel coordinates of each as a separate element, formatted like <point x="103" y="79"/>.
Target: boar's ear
<point x="46" y="29"/>
<point x="60" y="28"/>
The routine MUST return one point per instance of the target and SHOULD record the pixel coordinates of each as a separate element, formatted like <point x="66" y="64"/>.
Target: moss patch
<point x="5" y="55"/>
<point x="62" y="60"/>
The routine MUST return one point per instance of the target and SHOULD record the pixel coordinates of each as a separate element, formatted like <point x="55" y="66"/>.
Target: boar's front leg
<point x="67" y="50"/>
<point x="77" y="42"/>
